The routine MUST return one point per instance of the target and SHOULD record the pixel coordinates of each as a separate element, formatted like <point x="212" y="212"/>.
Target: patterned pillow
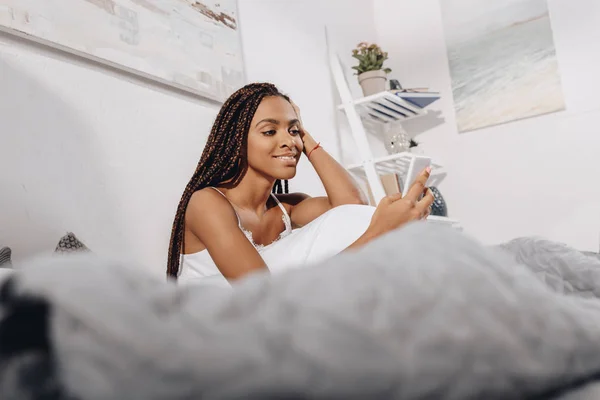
<point x="5" y="254"/>
<point x="69" y="244"/>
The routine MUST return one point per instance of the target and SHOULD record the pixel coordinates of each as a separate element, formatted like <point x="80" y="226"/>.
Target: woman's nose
<point x="288" y="142"/>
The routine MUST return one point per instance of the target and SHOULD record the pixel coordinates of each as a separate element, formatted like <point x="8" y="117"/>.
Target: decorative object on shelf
<point x="371" y="74"/>
<point x="439" y="207"/>
<point x="396" y="141"/>
<point x="70" y="244"/>
<point x="5" y="257"/>
<point x="414" y="147"/>
<point x="395" y="85"/>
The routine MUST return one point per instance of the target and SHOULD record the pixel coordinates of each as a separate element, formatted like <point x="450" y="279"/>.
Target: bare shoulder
<point x="213" y="225"/>
<point x="207" y="206"/>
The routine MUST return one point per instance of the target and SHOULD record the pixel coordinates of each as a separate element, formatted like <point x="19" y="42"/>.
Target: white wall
<point x="88" y="150"/>
<point x="533" y="177"/>
<point x="285" y="43"/>
<point x="106" y="155"/>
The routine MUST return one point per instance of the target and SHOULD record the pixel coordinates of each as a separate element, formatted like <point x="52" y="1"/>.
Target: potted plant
<point x="372" y="77"/>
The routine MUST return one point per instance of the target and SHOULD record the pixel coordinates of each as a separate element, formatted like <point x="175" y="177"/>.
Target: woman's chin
<point x="287" y="173"/>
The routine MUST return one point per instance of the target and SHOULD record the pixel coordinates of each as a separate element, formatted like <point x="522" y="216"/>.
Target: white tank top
<point x="315" y="242"/>
<point x="200" y="265"/>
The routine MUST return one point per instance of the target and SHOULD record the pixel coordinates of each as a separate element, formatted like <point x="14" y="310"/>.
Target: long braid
<point x="280" y="188"/>
<point x="223" y="159"/>
<point x="277" y="187"/>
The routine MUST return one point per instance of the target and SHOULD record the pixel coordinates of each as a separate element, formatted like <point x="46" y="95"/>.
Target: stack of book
<point x="419" y="97"/>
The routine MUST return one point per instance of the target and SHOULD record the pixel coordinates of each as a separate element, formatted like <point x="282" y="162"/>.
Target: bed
<point x="424" y="312"/>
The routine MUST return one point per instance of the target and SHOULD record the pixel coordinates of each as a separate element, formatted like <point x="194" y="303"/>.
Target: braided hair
<point x="224" y="159"/>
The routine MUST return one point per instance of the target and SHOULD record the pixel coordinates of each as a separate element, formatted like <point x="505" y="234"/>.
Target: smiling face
<point x="274" y="142"/>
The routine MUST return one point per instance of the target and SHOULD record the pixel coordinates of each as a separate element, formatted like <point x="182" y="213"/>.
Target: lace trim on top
<point x="284" y="217"/>
<point x="260" y="247"/>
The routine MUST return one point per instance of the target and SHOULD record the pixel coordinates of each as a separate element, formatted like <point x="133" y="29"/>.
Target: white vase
<point x="372" y="82"/>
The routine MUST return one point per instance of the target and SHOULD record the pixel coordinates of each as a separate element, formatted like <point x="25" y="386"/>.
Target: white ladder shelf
<point x="377" y="112"/>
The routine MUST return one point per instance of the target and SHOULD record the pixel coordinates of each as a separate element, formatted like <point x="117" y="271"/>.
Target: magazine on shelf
<point x="419" y="97"/>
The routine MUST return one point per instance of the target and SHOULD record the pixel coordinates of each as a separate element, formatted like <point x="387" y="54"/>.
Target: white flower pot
<point x="372" y="82"/>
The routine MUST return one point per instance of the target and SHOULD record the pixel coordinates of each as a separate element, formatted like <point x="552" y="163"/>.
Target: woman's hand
<point x="394" y="211"/>
<point x="338" y="183"/>
<point x="297" y="110"/>
<point x="307" y="140"/>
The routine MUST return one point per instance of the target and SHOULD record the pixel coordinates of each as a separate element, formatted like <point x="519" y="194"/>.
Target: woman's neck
<point x="252" y="193"/>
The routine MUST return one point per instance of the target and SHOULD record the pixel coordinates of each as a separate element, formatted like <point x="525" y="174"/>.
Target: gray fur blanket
<point x="422" y="313"/>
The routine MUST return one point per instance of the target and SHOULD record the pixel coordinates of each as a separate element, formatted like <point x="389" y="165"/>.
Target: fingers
<point x="296" y="109"/>
<point x="394" y="197"/>
<point x="389" y="199"/>
<point x="418" y="186"/>
<point x="424" y="205"/>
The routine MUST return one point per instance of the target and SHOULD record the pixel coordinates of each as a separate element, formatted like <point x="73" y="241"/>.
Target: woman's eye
<point x="295" y="132"/>
<point x="270" y="133"/>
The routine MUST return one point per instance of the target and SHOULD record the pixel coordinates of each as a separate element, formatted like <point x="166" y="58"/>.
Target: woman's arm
<point x="213" y="223"/>
<point x="339" y="185"/>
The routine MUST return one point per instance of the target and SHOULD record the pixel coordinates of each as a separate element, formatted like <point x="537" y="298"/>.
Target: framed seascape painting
<point x="193" y="45"/>
<point x="502" y="60"/>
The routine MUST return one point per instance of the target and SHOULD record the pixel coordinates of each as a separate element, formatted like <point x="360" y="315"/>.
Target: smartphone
<point x="416" y="166"/>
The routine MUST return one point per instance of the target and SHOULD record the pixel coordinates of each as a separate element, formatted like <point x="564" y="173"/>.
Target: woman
<point x="229" y="223"/>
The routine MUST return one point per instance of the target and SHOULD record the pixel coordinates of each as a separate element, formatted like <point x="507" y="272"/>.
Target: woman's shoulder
<point x="208" y="204"/>
<point x="206" y="196"/>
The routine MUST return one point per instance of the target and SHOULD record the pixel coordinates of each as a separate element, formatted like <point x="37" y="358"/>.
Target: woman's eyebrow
<point x="270" y="120"/>
<point x="292" y="122"/>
